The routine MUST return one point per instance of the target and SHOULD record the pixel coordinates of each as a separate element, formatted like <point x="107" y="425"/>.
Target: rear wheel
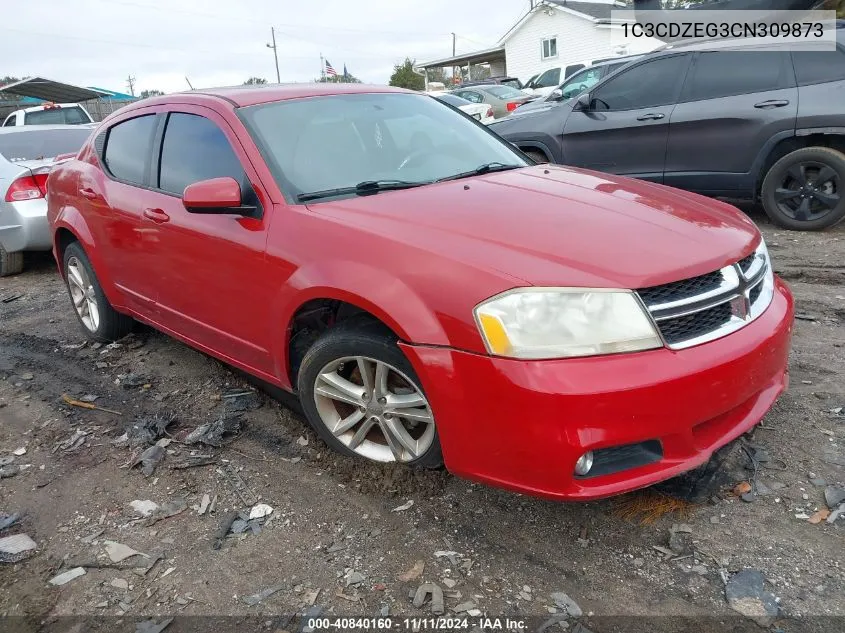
<point x="10" y="263"/>
<point x="361" y="395"/>
<point x="99" y="320"/>
<point x="803" y="191"/>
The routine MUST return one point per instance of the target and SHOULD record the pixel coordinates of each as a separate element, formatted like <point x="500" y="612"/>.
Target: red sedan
<point x="429" y="294"/>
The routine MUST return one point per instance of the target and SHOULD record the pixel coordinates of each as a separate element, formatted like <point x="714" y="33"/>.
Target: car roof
<point x="244" y="96"/>
<point x="27" y="129"/>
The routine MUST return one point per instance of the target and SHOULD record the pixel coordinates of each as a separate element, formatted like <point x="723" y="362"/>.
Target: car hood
<point x="549" y="225"/>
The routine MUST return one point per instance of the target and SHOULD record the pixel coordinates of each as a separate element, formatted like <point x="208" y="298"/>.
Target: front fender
<point x="375" y="290"/>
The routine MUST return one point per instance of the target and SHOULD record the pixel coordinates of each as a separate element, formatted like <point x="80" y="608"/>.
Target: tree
<point x="404" y="76"/>
<point x="340" y="79"/>
<point x="5" y="81"/>
<point x="255" y="81"/>
<point x="150" y="93"/>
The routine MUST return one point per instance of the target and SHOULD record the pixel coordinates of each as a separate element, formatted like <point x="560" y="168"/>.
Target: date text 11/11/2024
<point x="415" y="624"/>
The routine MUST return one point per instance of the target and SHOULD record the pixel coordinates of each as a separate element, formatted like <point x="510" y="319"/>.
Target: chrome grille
<point x="707" y="307"/>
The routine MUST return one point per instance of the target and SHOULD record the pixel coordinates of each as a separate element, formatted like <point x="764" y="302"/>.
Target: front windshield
<point x="340" y="141"/>
<point x="580" y="82"/>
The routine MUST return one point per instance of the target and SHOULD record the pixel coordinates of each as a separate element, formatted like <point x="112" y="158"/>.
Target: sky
<point x="224" y="42"/>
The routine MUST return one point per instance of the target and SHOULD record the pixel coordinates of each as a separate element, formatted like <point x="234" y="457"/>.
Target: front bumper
<point x="24" y="226"/>
<point x="522" y="425"/>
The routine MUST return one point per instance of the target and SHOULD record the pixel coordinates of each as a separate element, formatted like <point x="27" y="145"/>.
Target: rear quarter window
<point x="816" y="67"/>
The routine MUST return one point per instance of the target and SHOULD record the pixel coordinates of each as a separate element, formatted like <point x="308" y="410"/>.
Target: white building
<point x="554" y="33"/>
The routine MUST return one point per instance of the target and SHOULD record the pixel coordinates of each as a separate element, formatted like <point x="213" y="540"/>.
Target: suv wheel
<point x="10" y="263"/>
<point x="361" y="395"/>
<point x="99" y="319"/>
<point x="804" y="189"/>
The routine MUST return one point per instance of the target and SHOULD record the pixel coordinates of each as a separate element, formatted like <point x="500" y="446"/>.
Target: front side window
<point x="716" y="74"/>
<point x="128" y="147"/>
<point x="322" y="144"/>
<point x="549" y="78"/>
<point x="195" y="149"/>
<point x="647" y="85"/>
<point x="550" y="47"/>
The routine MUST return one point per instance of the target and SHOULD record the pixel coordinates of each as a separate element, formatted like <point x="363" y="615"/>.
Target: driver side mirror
<point x="584" y="102"/>
<point x="216" y="195"/>
<point x="556" y="95"/>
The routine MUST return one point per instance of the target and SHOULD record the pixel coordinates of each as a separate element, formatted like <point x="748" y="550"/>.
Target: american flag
<point x="330" y="71"/>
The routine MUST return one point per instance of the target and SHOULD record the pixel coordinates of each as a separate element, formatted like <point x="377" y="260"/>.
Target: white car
<point x="27" y="153"/>
<point x="49" y="114"/>
<point x="482" y="112"/>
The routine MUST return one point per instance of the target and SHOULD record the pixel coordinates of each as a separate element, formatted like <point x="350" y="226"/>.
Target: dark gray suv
<point x="722" y="119"/>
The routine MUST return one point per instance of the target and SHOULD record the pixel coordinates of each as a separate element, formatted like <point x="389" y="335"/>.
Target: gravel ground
<point x="343" y="538"/>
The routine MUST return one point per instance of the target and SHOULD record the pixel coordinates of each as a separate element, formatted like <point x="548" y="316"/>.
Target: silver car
<point x="27" y="153"/>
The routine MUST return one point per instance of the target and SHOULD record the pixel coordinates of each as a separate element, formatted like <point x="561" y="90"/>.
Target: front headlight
<point x="564" y="322"/>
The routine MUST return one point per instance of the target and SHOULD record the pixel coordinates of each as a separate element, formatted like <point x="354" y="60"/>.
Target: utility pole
<point x="130" y="81"/>
<point x="454" y="39"/>
<point x="275" y="54"/>
<point x="322" y="68"/>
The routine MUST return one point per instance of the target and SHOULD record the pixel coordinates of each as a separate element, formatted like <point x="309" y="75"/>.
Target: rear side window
<point x="127" y="148"/>
<point x="195" y="149"/>
<point x="718" y="74"/>
<point x="816" y="67"/>
<point x="10" y="122"/>
<point x="648" y="85"/>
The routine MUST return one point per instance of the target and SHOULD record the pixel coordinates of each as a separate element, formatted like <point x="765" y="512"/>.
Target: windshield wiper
<point x="361" y="189"/>
<point x="486" y="168"/>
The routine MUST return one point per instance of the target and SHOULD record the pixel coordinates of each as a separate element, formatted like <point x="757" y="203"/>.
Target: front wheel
<point x="803" y="190"/>
<point x="363" y="398"/>
<point x="98" y="318"/>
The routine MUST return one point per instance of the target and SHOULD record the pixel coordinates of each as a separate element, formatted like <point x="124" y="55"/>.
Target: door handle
<point x="156" y="215"/>
<point x="773" y="103"/>
<point x="87" y="192"/>
<point x="652" y="116"/>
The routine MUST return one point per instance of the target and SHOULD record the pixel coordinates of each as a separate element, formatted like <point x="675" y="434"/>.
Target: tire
<point x="536" y="155"/>
<point x="10" y="263"/>
<point x="109" y="325"/>
<point x="339" y="353"/>
<point x="791" y="206"/>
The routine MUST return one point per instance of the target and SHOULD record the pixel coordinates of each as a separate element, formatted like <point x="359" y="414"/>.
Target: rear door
<point x="626" y="128"/>
<point x="112" y="201"/>
<point x="209" y="268"/>
<point x="732" y="104"/>
<point x="821" y="81"/>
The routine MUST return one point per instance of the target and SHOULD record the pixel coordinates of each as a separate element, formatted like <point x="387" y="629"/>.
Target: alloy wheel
<point x="374" y="409"/>
<point x="809" y="191"/>
<point x="83" y="295"/>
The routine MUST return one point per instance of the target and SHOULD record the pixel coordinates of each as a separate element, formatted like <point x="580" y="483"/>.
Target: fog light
<point x="584" y="464"/>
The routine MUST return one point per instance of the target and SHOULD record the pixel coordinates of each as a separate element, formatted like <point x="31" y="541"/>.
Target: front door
<point x="626" y="127"/>
<point x="210" y="267"/>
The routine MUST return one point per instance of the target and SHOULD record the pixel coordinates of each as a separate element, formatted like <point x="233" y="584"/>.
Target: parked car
<point x="719" y="119"/>
<point x="479" y="111"/>
<point x="26" y="156"/>
<point x="551" y="78"/>
<point x="49" y="114"/>
<point x="557" y="332"/>
<point x="577" y="83"/>
<point x="513" y="82"/>
<point x="503" y="99"/>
